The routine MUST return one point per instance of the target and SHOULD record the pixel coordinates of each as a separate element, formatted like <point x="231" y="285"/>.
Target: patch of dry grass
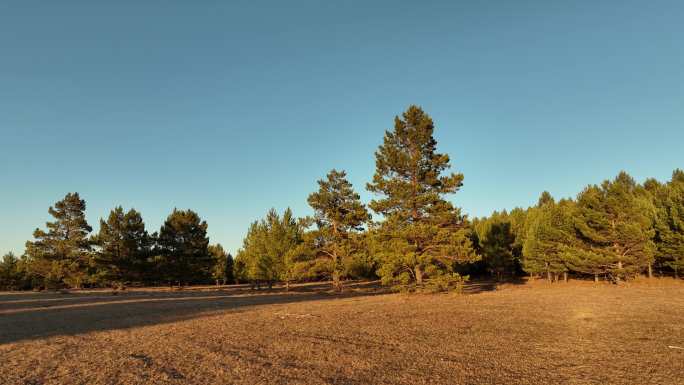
<point x="537" y="333"/>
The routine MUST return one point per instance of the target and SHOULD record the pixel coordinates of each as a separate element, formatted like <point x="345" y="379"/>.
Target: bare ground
<point x="534" y="333"/>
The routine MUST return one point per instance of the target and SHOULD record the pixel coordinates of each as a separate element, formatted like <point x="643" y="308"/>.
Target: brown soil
<point x="534" y="333"/>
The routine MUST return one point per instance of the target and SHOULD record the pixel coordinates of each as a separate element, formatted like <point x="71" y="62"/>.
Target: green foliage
<point x="183" y="254"/>
<point x="496" y="243"/>
<point x="544" y="199"/>
<point x="62" y="254"/>
<point x="550" y="236"/>
<point x="422" y="241"/>
<point x="452" y="282"/>
<point x="614" y="224"/>
<point x="669" y="223"/>
<point x="124" y="247"/>
<point x="339" y="217"/>
<point x="11" y="275"/>
<point x="222" y="269"/>
<point x="423" y="234"/>
<point x="268" y="247"/>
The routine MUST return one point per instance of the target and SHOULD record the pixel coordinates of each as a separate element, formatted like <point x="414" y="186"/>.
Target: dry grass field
<point x="534" y="333"/>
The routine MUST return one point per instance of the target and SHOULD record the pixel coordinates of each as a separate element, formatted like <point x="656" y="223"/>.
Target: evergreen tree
<point x="230" y="269"/>
<point x="544" y="199"/>
<point x="422" y="233"/>
<point x="496" y="244"/>
<point x="10" y="274"/>
<point x="124" y="247"/>
<point x="240" y="268"/>
<point x="499" y="239"/>
<point x="550" y="237"/>
<point x="183" y="248"/>
<point x="518" y="219"/>
<point x="265" y="253"/>
<point x="669" y="224"/>
<point x="222" y="270"/>
<point x="614" y="224"/>
<point x="339" y="216"/>
<point x="61" y="255"/>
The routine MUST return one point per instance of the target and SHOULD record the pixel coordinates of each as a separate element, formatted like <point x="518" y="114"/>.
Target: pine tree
<point x="518" y="218"/>
<point x="222" y="270"/>
<point x="497" y="240"/>
<point x="614" y="223"/>
<point x="62" y="254"/>
<point x="550" y="237"/>
<point x="544" y="199"/>
<point x="339" y="216"/>
<point x="423" y="234"/>
<point x="267" y="246"/>
<point x="10" y="274"/>
<point x="183" y="248"/>
<point x="124" y="247"/>
<point x="669" y="226"/>
<point x="230" y="269"/>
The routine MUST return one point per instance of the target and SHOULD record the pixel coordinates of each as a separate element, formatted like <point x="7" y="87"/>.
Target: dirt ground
<point x="533" y="333"/>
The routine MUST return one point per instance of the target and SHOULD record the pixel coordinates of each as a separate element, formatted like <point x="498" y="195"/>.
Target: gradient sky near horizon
<point x="233" y="107"/>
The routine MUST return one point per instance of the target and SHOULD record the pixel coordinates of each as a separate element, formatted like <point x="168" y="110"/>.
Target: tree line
<point x="65" y="254"/>
<point x="614" y="231"/>
<point x="417" y="238"/>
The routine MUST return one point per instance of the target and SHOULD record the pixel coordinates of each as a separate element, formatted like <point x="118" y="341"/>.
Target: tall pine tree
<point x="423" y="233"/>
<point x="339" y="216"/>
<point x="669" y="226"/>
<point x="124" y="247"/>
<point x="183" y="248"/>
<point x="615" y="226"/>
<point x="62" y="254"/>
<point x="550" y="236"/>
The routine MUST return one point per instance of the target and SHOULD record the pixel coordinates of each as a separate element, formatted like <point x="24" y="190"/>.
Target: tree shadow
<point x="30" y="316"/>
<point x="483" y="285"/>
<point x="36" y="315"/>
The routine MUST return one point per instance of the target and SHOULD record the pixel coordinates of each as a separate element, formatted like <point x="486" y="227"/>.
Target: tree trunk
<point x="287" y="285"/>
<point x="617" y="276"/>
<point x="565" y="276"/>
<point x="419" y="275"/>
<point x="270" y="285"/>
<point x="548" y="275"/>
<point x="650" y="270"/>
<point x="335" y="261"/>
<point x="337" y="286"/>
<point x="676" y="273"/>
<point x="595" y="278"/>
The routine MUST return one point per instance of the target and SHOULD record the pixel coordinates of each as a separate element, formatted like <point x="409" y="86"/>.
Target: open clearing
<point x="535" y="333"/>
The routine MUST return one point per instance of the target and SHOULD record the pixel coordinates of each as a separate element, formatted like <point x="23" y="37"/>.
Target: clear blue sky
<point x="230" y="108"/>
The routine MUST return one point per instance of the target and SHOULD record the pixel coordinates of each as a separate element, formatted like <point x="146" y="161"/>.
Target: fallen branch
<point x="676" y="347"/>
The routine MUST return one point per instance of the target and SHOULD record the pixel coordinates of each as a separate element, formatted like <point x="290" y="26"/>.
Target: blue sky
<point x="230" y="108"/>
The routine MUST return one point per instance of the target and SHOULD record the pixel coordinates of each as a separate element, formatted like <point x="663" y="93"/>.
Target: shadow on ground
<point x="40" y="315"/>
<point x="26" y="316"/>
<point x="482" y="285"/>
